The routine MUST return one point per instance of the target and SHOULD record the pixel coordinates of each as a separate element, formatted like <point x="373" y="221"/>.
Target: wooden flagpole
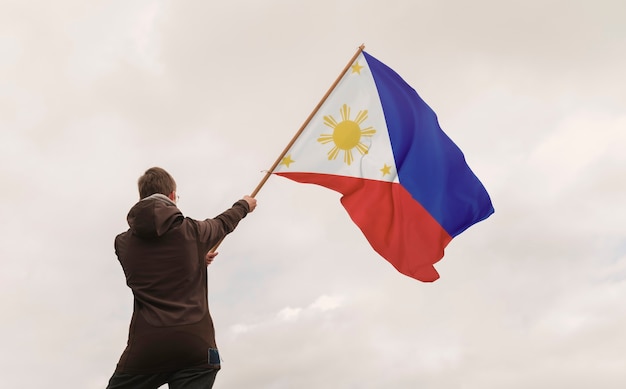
<point x="306" y="123"/>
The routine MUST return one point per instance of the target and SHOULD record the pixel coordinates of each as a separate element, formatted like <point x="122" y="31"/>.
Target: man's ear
<point x="172" y="196"/>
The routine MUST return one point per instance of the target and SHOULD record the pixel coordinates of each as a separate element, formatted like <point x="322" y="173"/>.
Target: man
<point x="164" y="255"/>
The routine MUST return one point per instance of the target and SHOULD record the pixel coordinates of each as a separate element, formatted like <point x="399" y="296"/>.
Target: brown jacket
<point x="162" y="255"/>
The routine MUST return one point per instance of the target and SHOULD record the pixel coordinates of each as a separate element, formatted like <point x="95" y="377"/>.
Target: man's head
<point x="157" y="180"/>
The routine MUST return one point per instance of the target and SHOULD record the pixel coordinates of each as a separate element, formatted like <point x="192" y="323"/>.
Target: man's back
<point x="162" y="255"/>
<point x="161" y="258"/>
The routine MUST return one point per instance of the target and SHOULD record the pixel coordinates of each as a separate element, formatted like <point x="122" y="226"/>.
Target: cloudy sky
<point x="94" y="92"/>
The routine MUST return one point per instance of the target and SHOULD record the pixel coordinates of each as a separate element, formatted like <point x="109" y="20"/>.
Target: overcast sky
<point x="92" y="93"/>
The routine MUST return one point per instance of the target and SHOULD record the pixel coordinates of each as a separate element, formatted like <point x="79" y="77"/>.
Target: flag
<point x="405" y="184"/>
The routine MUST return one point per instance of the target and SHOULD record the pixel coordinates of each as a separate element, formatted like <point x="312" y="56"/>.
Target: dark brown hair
<point x="155" y="180"/>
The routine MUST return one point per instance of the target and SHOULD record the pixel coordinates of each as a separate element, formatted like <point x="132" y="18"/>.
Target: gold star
<point x="287" y="160"/>
<point x="356" y="68"/>
<point x="386" y="170"/>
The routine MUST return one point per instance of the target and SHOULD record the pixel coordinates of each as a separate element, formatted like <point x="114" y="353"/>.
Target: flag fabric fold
<point x="403" y="181"/>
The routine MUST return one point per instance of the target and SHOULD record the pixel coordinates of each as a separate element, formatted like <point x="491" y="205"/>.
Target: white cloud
<point x="327" y="303"/>
<point x="289" y="314"/>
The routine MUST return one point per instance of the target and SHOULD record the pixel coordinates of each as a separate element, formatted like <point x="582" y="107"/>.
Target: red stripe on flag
<point x="393" y="222"/>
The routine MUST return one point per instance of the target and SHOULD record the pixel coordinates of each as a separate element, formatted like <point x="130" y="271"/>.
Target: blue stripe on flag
<point x="430" y="166"/>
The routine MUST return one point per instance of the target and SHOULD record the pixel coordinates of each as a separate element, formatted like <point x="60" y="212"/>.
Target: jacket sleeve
<point x="211" y="231"/>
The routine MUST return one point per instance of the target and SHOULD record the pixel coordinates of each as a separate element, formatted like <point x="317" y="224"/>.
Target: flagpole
<point x="306" y="123"/>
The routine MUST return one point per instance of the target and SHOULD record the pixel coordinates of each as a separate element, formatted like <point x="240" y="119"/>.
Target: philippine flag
<point x="404" y="183"/>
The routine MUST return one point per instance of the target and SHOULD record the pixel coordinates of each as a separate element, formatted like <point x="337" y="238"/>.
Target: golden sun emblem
<point x="346" y="134"/>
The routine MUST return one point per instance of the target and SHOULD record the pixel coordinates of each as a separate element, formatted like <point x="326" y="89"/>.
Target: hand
<point x="251" y="202"/>
<point x="208" y="258"/>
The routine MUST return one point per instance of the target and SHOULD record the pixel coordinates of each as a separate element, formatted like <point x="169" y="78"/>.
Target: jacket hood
<point x="153" y="216"/>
